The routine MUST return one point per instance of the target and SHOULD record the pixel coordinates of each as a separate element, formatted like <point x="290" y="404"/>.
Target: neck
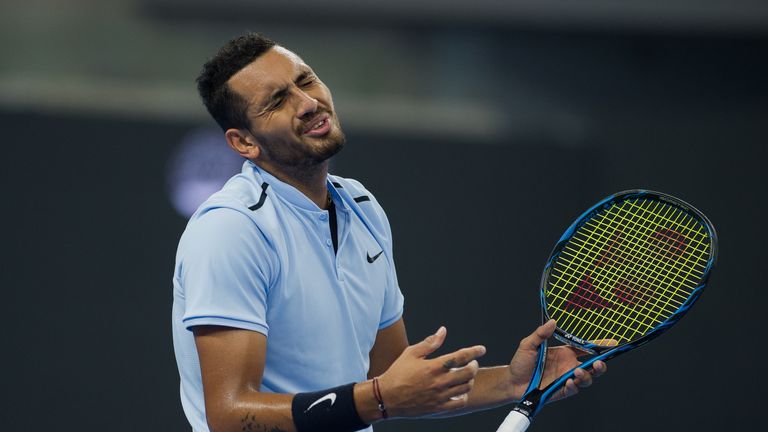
<point x="311" y="181"/>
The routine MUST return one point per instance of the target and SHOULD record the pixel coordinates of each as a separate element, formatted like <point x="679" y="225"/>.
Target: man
<point x="287" y="313"/>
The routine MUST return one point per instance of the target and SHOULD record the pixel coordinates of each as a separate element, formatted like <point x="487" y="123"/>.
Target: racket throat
<point x="529" y="405"/>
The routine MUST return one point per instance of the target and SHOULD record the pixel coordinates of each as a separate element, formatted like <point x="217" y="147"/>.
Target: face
<point x="290" y="110"/>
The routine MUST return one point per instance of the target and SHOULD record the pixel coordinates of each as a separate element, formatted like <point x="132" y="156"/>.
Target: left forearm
<point x="491" y="389"/>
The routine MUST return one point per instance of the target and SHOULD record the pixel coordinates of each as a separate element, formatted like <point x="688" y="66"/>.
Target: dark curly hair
<point x="226" y="106"/>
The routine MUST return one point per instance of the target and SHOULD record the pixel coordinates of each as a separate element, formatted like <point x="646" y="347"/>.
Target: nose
<point x="305" y="104"/>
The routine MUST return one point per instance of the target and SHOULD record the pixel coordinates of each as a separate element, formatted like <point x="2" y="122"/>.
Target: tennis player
<point x="287" y="314"/>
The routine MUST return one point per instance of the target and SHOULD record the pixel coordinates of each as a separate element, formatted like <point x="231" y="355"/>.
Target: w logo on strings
<point x="622" y="264"/>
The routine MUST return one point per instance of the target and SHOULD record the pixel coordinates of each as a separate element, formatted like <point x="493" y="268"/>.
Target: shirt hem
<point x="226" y="322"/>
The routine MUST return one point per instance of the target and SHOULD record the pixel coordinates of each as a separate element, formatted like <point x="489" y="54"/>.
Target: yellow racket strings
<point x="626" y="270"/>
<point x="604" y="303"/>
<point x="613" y="307"/>
<point x="632" y="284"/>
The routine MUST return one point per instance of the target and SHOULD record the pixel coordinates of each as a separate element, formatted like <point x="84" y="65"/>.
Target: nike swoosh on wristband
<point x="330" y="396"/>
<point x="372" y="259"/>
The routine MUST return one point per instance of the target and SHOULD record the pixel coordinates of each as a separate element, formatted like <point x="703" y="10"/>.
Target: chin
<point x="329" y="145"/>
<point x="329" y="148"/>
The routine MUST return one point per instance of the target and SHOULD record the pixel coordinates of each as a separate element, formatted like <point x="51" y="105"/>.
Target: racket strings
<point x="652" y="313"/>
<point x="627" y="290"/>
<point x="626" y="270"/>
<point x="623" y="294"/>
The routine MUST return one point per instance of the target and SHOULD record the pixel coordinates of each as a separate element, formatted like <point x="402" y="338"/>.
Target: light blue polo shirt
<point x="258" y="255"/>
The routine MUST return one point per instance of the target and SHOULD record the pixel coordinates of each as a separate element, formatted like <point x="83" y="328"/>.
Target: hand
<point x="560" y="360"/>
<point x="414" y="385"/>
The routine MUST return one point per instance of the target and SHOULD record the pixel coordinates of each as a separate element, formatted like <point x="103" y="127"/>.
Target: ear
<point x="243" y="143"/>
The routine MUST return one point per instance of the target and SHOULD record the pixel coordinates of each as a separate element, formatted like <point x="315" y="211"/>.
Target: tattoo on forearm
<point x="250" y="425"/>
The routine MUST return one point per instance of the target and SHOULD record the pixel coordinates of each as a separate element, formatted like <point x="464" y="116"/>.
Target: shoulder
<point x="231" y="216"/>
<point x="227" y="242"/>
<point x="242" y="202"/>
<point x="218" y="229"/>
<point x="244" y="192"/>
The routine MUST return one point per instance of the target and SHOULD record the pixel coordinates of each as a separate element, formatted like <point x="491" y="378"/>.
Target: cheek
<point x="279" y="125"/>
<point x="324" y="95"/>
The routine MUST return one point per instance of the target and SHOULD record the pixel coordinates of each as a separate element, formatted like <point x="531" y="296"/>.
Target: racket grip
<point x="515" y="422"/>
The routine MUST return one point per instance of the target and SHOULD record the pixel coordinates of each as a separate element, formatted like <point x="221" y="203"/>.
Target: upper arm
<point x="390" y="343"/>
<point x="226" y="268"/>
<point x="231" y="364"/>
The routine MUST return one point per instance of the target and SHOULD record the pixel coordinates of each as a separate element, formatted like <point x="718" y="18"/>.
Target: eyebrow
<point x="281" y="92"/>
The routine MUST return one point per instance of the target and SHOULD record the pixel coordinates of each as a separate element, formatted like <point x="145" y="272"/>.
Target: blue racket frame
<point x="534" y="398"/>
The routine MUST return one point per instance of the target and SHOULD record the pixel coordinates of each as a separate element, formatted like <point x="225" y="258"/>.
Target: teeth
<point x="317" y="126"/>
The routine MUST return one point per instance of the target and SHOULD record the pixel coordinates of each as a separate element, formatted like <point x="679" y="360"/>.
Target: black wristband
<point x="327" y="410"/>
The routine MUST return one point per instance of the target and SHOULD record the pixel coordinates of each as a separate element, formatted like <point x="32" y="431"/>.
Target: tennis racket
<point x="626" y="270"/>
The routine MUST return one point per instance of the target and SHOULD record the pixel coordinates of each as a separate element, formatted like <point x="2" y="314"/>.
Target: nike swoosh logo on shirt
<point x="372" y="259"/>
<point x="330" y="396"/>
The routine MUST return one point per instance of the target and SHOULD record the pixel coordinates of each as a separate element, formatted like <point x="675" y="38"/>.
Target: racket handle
<point x="515" y="422"/>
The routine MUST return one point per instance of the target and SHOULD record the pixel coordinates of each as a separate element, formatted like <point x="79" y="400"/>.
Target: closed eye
<point x="276" y="102"/>
<point x="307" y="82"/>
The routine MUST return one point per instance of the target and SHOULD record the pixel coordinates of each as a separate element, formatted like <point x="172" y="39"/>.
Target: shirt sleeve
<point x="393" y="301"/>
<point x="393" y="297"/>
<point x="227" y="265"/>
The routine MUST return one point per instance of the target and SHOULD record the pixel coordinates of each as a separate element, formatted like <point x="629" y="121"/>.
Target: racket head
<point x="627" y="269"/>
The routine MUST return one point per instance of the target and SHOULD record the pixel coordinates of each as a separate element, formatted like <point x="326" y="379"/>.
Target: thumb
<point x="605" y="342"/>
<point x="600" y="342"/>
<point x="430" y="344"/>
<point x="542" y="333"/>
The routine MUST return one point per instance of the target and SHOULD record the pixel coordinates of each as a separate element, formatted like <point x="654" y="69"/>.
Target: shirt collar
<point x="293" y="195"/>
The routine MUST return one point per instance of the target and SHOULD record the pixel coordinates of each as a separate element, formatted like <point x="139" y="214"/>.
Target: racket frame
<point x="534" y="398"/>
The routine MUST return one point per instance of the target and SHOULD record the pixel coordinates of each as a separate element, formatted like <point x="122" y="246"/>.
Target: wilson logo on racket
<point x="616" y="258"/>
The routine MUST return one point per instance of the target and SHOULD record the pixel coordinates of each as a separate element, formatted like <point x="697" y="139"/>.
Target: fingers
<point x="417" y="385"/>
<point x="583" y="378"/>
<point x="453" y="393"/>
<point x="453" y="404"/>
<point x="461" y="375"/>
<point x="458" y="391"/>
<point x="458" y="371"/>
<point x="542" y="333"/>
<point x="430" y="344"/>
<point x="456" y="397"/>
<point x="460" y="366"/>
<point x="461" y="357"/>
<point x="599" y="368"/>
<point x="569" y="389"/>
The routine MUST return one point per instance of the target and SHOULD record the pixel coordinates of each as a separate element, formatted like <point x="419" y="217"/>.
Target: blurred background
<point x="483" y="127"/>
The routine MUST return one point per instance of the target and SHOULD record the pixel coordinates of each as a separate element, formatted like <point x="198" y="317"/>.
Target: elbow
<point x="216" y="421"/>
<point x="219" y="415"/>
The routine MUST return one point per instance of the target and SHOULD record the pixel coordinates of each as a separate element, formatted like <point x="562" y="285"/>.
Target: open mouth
<point x="319" y="126"/>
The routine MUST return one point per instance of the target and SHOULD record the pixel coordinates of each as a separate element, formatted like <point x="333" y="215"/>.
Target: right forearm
<point x="366" y="404"/>
<point x="412" y="386"/>
<point x="252" y="411"/>
<point x="269" y="412"/>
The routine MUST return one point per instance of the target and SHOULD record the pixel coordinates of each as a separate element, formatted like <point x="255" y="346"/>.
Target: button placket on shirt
<point x="323" y="217"/>
<point x="323" y="223"/>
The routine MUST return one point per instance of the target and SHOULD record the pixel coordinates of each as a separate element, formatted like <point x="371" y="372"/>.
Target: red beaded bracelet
<point x="377" y="395"/>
